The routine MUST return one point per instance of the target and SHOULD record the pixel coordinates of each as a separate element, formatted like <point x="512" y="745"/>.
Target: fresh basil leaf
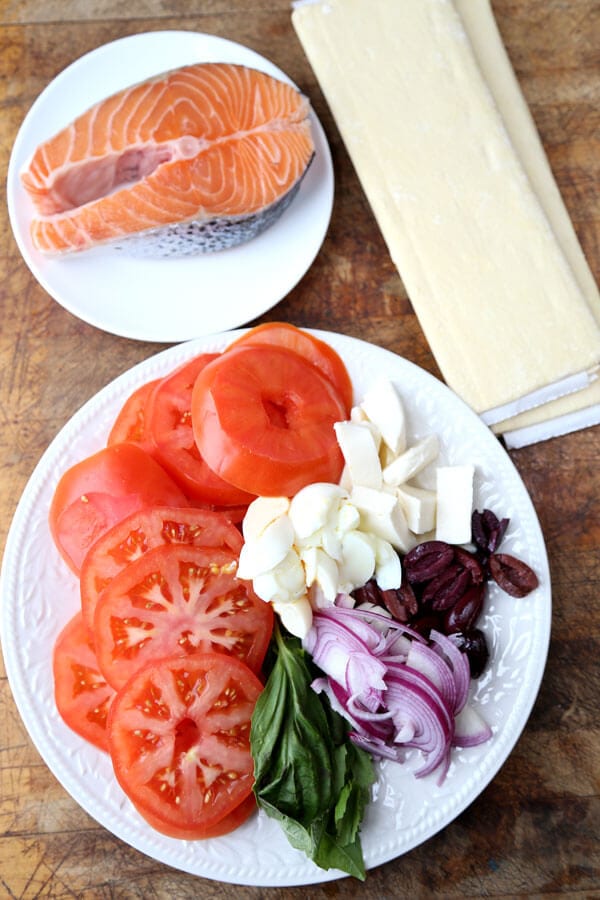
<point x="346" y="857"/>
<point x="308" y="774"/>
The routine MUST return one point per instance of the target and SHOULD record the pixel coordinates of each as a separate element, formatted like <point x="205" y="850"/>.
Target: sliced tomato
<point x="83" y="697"/>
<point x="130" y="424"/>
<point x="179" y="739"/>
<point x="263" y="419"/>
<point x="96" y="493"/>
<point x="227" y="824"/>
<point x="169" y="422"/>
<point x="178" y="599"/>
<point x="319" y="353"/>
<point x="142" y="531"/>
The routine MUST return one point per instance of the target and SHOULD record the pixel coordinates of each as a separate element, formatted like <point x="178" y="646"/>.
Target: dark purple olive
<point x="488" y="530"/>
<point x="474" y="644"/>
<point x="368" y="593"/>
<point x="465" y="612"/>
<point x="427" y="560"/>
<point x="400" y="602"/>
<point x="423" y="624"/>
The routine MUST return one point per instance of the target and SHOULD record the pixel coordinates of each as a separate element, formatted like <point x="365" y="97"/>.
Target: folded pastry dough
<point x="442" y="140"/>
<point x="581" y="408"/>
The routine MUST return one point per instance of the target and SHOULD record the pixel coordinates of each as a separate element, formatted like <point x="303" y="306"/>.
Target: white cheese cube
<point x="454" y="503"/>
<point x="412" y="461"/>
<point x="383" y="406"/>
<point x="419" y="507"/>
<point x="381" y="514"/>
<point x="360" y="452"/>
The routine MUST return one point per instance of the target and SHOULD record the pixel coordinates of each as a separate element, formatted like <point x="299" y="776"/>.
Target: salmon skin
<point x="195" y="160"/>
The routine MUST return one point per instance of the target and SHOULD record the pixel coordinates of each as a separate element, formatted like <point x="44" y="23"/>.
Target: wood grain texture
<point x="535" y="830"/>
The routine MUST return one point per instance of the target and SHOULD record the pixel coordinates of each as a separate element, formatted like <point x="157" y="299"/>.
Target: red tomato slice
<point x="142" y="531"/>
<point x="83" y="697"/>
<point x="224" y="826"/>
<point x="179" y="739"/>
<point x="169" y="422"/>
<point x="176" y="600"/>
<point x="320" y="354"/>
<point x="96" y="493"/>
<point x="130" y="424"/>
<point x="263" y="420"/>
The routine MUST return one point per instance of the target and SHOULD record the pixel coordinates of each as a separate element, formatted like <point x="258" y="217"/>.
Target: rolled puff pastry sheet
<point x="471" y="215"/>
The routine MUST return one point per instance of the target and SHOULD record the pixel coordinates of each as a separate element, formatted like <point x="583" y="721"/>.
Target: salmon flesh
<point x="192" y="161"/>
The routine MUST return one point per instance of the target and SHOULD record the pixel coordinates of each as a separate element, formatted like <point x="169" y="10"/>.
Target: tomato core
<point x="278" y="414"/>
<point x="187" y="735"/>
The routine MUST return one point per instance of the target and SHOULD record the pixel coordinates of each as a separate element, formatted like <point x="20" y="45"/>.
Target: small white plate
<point x="167" y="300"/>
<point x="38" y="595"/>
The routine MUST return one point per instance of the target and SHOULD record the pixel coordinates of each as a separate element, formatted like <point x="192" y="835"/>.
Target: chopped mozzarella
<point x="313" y="507"/>
<point x="388" y="569"/>
<point x="265" y="550"/>
<point x="382" y="515"/>
<point x="320" y="569"/>
<point x="296" y="616"/>
<point x="412" y="461"/>
<point x="285" y="583"/>
<point x="360" y="452"/>
<point x="454" y="503"/>
<point x="419" y="505"/>
<point x="367" y="499"/>
<point x="261" y="513"/>
<point x="383" y="407"/>
<point x="358" y="560"/>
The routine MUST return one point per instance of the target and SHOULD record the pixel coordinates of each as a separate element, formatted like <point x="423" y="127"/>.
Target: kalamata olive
<point x="400" y="602"/>
<point x="474" y="644"/>
<point x="465" y="612"/>
<point x="470" y="562"/>
<point x="487" y="530"/>
<point x="368" y="593"/>
<point x="427" y="560"/>
<point x="512" y="574"/>
<point x="423" y="624"/>
<point x="447" y="588"/>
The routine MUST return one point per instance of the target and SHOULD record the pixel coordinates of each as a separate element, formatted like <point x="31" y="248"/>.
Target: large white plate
<point x="167" y="300"/>
<point x="38" y="595"/>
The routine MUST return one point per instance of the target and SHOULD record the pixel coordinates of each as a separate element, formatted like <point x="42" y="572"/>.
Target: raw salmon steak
<point x="193" y="160"/>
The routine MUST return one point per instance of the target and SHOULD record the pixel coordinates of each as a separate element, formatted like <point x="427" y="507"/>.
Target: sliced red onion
<point x="398" y="645"/>
<point x="425" y="660"/>
<point x="395" y="690"/>
<point x="378" y="618"/>
<point x="348" y="657"/>
<point x="433" y="725"/>
<point x="459" y="663"/>
<point x="378" y="747"/>
<point x="392" y="625"/>
<point x="368" y="725"/>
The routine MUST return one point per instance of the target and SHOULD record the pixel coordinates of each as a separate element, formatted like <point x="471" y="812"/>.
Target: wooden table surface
<point x="535" y="830"/>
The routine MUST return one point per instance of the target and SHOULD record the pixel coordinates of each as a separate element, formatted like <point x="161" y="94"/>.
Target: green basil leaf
<point x="308" y="774"/>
